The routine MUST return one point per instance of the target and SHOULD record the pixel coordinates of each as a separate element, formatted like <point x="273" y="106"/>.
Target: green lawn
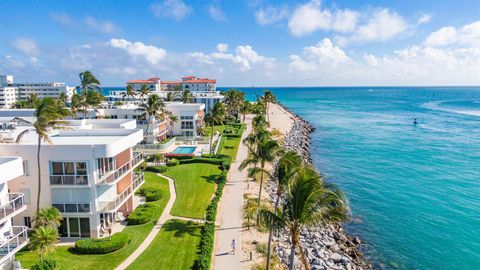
<point x="175" y="247"/>
<point x="229" y="145"/>
<point x="195" y="185"/>
<point x="219" y="128"/>
<point x="69" y="260"/>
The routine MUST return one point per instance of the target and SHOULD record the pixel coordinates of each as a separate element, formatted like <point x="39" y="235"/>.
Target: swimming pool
<point x="184" y="150"/>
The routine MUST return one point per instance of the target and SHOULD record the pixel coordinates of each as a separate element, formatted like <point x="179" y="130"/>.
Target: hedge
<point x="101" y="246"/>
<point x="215" y="160"/>
<point x="157" y="169"/>
<point x="173" y="162"/>
<point x="142" y="214"/>
<point x="46" y="264"/>
<point x="208" y="231"/>
<point x="151" y="194"/>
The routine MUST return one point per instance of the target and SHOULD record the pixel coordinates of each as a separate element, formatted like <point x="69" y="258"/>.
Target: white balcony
<point x="14" y="206"/>
<point x="12" y="243"/>
<point x="120" y="199"/>
<point x="114" y="176"/>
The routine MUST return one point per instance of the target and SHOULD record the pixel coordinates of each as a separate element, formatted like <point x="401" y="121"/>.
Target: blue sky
<point x="242" y="43"/>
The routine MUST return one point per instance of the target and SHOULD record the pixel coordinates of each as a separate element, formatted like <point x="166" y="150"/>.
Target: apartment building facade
<point x="11" y="92"/>
<point x="12" y="238"/>
<point x="87" y="173"/>
<point x="152" y="83"/>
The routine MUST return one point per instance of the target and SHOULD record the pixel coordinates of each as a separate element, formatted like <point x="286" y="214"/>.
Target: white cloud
<point x="324" y="53"/>
<point x="63" y="19"/>
<point x="106" y="27"/>
<point x="174" y="9"/>
<point x="424" y="18"/>
<point x="151" y="54"/>
<point x="466" y="35"/>
<point x="271" y="15"/>
<point x="310" y="17"/>
<point x="222" y="47"/>
<point x="26" y="46"/>
<point x="441" y="37"/>
<point x="216" y="13"/>
<point x="382" y="25"/>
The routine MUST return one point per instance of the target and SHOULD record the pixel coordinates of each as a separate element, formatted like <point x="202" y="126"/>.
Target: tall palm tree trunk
<point x="277" y="201"/>
<point x="304" y="258"/>
<point x="291" y="258"/>
<point x="261" y="185"/>
<point x="39" y="170"/>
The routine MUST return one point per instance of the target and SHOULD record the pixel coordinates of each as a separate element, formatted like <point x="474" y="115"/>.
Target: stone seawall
<point x="327" y="247"/>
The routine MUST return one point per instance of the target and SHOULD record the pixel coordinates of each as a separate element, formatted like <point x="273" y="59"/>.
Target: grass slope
<point x="174" y="248"/>
<point x="66" y="259"/>
<point x="195" y="185"/>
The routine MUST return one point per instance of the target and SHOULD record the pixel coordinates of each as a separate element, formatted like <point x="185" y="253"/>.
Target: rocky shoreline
<point x="326" y="247"/>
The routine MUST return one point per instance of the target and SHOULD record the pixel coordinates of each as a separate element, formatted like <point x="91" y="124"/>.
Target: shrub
<point x="47" y="264"/>
<point x="173" y="162"/>
<point x="142" y="214"/>
<point x="157" y="169"/>
<point x="151" y="194"/>
<point x="143" y="165"/>
<point x="225" y="165"/>
<point x="102" y="246"/>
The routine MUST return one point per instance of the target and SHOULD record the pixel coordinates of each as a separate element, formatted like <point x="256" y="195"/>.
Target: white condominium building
<point x="87" y="172"/>
<point x="11" y="92"/>
<point x="12" y="238"/>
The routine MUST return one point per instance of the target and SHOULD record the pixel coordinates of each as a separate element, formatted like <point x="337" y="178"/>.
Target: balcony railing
<point x="113" y="176"/>
<point x="14" y="204"/>
<point x="138" y="180"/>
<point x="13" y="242"/>
<point x="73" y="207"/>
<point x="75" y="180"/>
<point x="137" y="159"/>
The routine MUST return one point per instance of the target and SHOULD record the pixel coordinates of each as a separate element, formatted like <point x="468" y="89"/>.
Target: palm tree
<point x="233" y="100"/>
<point x="49" y="113"/>
<point x="259" y="122"/>
<point x="285" y="169"/>
<point x="265" y="152"/>
<point x="154" y="109"/>
<point x="75" y="104"/>
<point x="43" y="240"/>
<point x="88" y="82"/>
<point x="89" y="100"/>
<point x="49" y="216"/>
<point x="171" y="96"/>
<point x="173" y="120"/>
<point x="144" y="91"/>
<point x="245" y="107"/>
<point x="130" y="92"/>
<point x="268" y="97"/>
<point x="187" y="96"/>
<point x="215" y="116"/>
<point x="308" y="202"/>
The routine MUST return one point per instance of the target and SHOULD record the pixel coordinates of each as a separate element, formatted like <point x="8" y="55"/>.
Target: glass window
<point x="63" y="228"/>
<point x="74" y="227"/>
<point x="68" y="180"/>
<point x="70" y="208"/>
<point x="84" y="208"/>
<point x="27" y="221"/>
<point x="69" y="168"/>
<point x="85" y="227"/>
<point x="60" y="207"/>
<point x="81" y="168"/>
<point x="57" y="168"/>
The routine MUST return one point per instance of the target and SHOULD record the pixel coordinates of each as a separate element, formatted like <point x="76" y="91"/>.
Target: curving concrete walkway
<point x="163" y="218"/>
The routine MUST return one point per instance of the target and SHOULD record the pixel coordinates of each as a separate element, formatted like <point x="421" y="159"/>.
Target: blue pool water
<point x="184" y="150"/>
<point x="414" y="191"/>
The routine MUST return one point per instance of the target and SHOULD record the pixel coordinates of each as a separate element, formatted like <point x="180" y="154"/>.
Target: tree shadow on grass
<point x="211" y="178"/>
<point x="180" y="228"/>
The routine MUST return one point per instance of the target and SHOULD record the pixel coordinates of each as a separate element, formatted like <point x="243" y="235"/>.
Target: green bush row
<point x="151" y="194"/>
<point x="157" y="169"/>
<point x="102" y="246"/>
<point x="46" y="264"/>
<point x="208" y="231"/>
<point x="142" y="214"/>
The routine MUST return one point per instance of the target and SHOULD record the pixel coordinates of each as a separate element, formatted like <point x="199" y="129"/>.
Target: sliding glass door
<point x="74" y="227"/>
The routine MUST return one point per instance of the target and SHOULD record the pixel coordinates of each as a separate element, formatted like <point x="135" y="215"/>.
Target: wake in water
<point x="443" y="106"/>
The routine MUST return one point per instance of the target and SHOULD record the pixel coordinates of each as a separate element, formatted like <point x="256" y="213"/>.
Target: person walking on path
<point x="234" y="246"/>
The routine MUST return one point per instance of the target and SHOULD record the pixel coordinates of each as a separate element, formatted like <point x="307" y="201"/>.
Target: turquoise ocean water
<point x="414" y="191"/>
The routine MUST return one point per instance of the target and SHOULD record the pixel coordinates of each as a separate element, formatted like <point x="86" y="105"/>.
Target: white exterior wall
<point x="7" y="97"/>
<point x="189" y="110"/>
<point x="154" y="87"/>
<point x="199" y="87"/>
